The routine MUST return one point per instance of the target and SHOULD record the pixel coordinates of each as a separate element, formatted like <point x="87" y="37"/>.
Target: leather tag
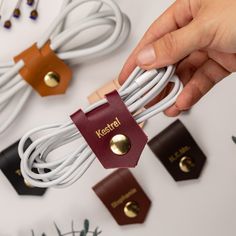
<point x="41" y="62"/>
<point x="178" y="152"/>
<point x="105" y="89"/>
<point x="123" y="197"/>
<point x="111" y="129"/>
<point x="10" y="166"/>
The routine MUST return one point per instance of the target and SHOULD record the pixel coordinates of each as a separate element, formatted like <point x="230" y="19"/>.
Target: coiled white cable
<point x="38" y="166"/>
<point x="14" y="91"/>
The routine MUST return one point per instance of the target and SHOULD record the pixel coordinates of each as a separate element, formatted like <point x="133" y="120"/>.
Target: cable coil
<point x="38" y="164"/>
<point x="15" y="92"/>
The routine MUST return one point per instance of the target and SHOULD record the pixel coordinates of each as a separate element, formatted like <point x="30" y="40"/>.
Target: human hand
<point x="200" y="36"/>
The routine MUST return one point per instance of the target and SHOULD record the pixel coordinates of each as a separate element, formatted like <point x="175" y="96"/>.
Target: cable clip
<point x="178" y="152"/>
<point x="44" y="71"/>
<point x="10" y="166"/>
<point x="112" y="133"/>
<point x="123" y="196"/>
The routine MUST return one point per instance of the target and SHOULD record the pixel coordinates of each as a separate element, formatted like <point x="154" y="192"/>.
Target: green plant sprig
<point x="84" y="232"/>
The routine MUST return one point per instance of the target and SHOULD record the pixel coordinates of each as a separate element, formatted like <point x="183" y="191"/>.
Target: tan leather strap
<point x="99" y="94"/>
<point x="38" y="64"/>
<point x="107" y="88"/>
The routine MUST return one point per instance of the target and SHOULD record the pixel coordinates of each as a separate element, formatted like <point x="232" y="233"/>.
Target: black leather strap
<point x="10" y="166"/>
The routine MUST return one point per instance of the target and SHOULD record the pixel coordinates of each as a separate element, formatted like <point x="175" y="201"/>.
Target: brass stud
<point x="18" y="172"/>
<point x="131" y="209"/>
<point x="52" y="79"/>
<point x="186" y="164"/>
<point x="27" y="184"/>
<point x="120" y="144"/>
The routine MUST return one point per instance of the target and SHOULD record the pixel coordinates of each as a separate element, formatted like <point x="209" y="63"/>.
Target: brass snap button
<point x="27" y="184"/>
<point x="131" y="209"/>
<point x="186" y="164"/>
<point x="52" y="79"/>
<point x="120" y="144"/>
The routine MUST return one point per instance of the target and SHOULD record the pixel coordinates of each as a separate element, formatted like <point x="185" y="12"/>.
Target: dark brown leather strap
<point x="38" y="64"/>
<point x="178" y="152"/>
<point x="118" y="192"/>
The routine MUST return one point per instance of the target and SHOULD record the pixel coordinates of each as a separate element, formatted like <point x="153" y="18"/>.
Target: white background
<point x="205" y="207"/>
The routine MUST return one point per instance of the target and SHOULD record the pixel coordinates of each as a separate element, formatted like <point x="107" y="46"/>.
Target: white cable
<point x="68" y="46"/>
<point x="140" y="88"/>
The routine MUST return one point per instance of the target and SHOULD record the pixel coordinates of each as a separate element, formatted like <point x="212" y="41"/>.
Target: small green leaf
<point x="83" y="232"/>
<point x="86" y="226"/>
<point x="97" y="232"/>
<point x="72" y="228"/>
<point x="57" y="229"/>
<point x="234" y="139"/>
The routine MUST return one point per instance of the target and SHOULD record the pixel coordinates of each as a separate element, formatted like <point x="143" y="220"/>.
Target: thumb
<point x="173" y="47"/>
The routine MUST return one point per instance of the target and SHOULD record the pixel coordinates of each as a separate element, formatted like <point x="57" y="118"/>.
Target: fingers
<point x="185" y="71"/>
<point x="173" y="47"/>
<point x="176" y="16"/>
<point x="202" y="81"/>
<point x="130" y="64"/>
<point x="161" y="96"/>
<point x="186" y="68"/>
<point x="227" y="60"/>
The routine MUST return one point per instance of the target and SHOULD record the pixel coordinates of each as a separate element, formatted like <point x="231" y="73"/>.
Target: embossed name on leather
<point x="178" y="152"/>
<point x="123" y="197"/>
<point x="112" y="133"/>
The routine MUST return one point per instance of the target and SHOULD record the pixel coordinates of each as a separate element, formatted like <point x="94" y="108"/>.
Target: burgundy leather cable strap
<point x="123" y="197"/>
<point x="102" y="124"/>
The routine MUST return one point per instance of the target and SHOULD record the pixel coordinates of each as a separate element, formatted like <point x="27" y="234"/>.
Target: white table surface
<point x="205" y="207"/>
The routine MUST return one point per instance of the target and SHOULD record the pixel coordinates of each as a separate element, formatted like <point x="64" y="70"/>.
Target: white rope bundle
<point x="40" y="170"/>
<point x="15" y="92"/>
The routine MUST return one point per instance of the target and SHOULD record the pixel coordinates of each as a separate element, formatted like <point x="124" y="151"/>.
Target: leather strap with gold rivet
<point x="44" y="70"/>
<point x="107" y="130"/>
<point x="124" y="198"/>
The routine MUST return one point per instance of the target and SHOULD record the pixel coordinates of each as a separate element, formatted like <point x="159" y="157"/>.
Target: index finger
<point x="176" y="16"/>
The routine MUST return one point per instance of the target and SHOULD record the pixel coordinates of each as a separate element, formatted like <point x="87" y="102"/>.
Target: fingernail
<point x="146" y="56"/>
<point x="173" y="111"/>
